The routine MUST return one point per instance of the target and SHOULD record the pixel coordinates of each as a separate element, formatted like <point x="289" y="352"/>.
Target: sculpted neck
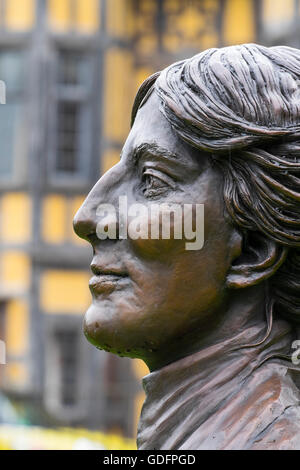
<point x="244" y="308"/>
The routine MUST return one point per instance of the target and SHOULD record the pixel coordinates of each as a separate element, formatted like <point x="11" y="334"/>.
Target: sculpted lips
<point x="107" y="279"/>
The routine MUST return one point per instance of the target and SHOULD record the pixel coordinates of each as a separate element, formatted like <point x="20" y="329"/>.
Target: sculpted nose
<point x="84" y="222"/>
<point x="86" y="218"/>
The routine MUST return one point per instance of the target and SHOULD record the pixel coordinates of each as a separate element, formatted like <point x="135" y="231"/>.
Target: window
<point x="118" y="392"/>
<point x="67" y="138"/>
<point x="67" y="343"/>
<point x="12" y="130"/>
<point x="65" y="369"/>
<point x="80" y="15"/>
<point x="73" y="116"/>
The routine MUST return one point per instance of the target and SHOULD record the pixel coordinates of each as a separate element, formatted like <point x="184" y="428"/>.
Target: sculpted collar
<point x="224" y="396"/>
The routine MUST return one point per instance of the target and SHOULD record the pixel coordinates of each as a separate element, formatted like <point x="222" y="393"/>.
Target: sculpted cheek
<point x="163" y="234"/>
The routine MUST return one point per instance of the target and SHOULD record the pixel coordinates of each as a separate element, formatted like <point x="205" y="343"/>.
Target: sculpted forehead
<point x="150" y="126"/>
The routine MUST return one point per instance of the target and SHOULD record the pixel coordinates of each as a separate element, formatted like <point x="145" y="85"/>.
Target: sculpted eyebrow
<point x="152" y="150"/>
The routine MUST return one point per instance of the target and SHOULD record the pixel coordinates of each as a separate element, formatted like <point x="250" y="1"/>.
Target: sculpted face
<point x="152" y="297"/>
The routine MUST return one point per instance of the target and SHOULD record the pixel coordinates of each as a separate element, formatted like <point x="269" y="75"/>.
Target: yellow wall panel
<point x="16" y="327"/>
<point x="16" y="373"/>
<point x="20" y="14"/>
<point x="147" y="44"/>
<point x="15" y="217"/>
<point x="140" y="369"/>
<point x="54" y="215"/>
<point x="172" y="42"/>
<point x="138" y="404"/>
<point x="75" y="203"/>
<point x="109" y="159"/>
<point x="118" y="93"/>
<point x="118" y="18"/>
<point x="15" y="269"/>
<point x="65" y="291"/>
<point x="87" y="18"/>
<point x="141" y="74"/>
<point x="149" y="6"/>
<point x="209" y="39"/>
<point x="190" y="22"/>
<point x="59" y="12"/>
<point x="277" y="11"/>
<point x="239" y="23"/>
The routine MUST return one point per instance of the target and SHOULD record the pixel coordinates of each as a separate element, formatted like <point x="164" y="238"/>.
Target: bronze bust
<point x="214" y="325"/>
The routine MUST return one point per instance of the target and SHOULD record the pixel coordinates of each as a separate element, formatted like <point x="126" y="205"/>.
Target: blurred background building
<point x="71" y="69"/>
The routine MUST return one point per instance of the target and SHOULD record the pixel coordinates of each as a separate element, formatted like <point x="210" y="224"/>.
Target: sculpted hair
<point x="242" y="105"/>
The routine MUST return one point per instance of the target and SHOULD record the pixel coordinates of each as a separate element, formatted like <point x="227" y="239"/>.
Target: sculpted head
<point x="220" y="129"/>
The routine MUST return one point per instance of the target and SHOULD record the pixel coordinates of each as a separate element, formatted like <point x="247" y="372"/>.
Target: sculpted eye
<point x="155" y="181"/>
<point x="151" y="181"/>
